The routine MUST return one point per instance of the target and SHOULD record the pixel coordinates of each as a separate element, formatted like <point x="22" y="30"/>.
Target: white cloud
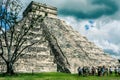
<point x="105" y="44"/>
<point x="104" y="34"/>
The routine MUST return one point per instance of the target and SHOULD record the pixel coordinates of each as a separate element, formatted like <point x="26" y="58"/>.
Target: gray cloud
<point x="1" y="2"/>
<point x="92" y="10"/>
<point x="111" y="52"/>
<point x="83" y="9"/>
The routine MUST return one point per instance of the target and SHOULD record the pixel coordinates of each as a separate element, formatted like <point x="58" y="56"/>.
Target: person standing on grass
<point x="107" y="71"/>
<point x="93" y="71"/>
<point x="116" y="70"/>
<point x="110" y="70"/>
<point x="99" y="70"/>
<point x="119" y="70"/>
<point x="103" y="70"/>
<point x="80" y="72"/>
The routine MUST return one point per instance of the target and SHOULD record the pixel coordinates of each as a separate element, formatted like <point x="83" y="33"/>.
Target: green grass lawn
<point x="56" y="76"/>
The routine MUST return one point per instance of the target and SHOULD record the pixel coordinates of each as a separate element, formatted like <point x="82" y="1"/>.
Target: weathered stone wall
<point x="78" y="50"/>
<point x="66" y="46"/>
<point x="41" y="9"/>
<point x="36" y="58"/>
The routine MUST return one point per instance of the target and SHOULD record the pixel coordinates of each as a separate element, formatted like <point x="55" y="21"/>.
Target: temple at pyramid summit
<point x="40" y="9"/>
<point x="62" y="49"/>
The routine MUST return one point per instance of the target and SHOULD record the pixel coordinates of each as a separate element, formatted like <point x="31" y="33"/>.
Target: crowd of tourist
<point x="100" y="71"/>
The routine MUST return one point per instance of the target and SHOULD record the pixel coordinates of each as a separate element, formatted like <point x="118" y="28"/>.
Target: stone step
<point x="40" y="57"/>
<point x="34" y="65"/>
<point x="38" y="49"/>
<point x="38" y="67"/>
<point x="35" y="35"/>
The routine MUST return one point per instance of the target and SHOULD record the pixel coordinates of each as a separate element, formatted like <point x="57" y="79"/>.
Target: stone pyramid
<point x="62" y="49"/>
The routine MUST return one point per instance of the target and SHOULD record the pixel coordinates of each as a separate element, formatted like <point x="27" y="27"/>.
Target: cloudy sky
<point x="98" y="20"/>
<point x="101" y="17"/>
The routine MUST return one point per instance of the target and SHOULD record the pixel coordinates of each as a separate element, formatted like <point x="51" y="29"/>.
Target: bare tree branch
<point x="18" y="54"/>
<point x="2" y="51"/>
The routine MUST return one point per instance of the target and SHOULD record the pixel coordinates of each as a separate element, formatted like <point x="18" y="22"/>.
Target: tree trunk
<point x="10" y="70"/>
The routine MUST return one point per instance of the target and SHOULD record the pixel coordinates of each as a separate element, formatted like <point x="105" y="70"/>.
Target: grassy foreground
<point x="56" y="76"/>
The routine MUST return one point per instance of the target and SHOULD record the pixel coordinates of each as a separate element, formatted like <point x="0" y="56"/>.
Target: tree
<point x="12" y="34"/>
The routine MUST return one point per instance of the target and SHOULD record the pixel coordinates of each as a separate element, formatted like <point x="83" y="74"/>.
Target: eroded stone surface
<point x="62" y="45"/>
